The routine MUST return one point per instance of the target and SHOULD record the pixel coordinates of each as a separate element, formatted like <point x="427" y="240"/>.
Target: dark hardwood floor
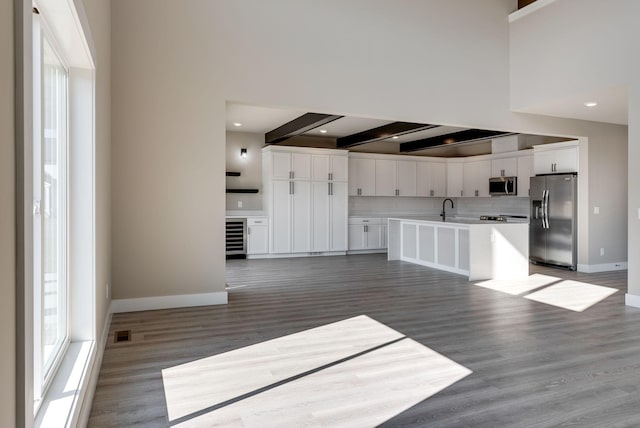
<point x="533" y="364"/>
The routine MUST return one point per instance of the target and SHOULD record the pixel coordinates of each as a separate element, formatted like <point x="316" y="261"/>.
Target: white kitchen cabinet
<point x="330" y="206"/>
<point x="367" y="233"/>
<point x="257" y="236"/>
<point x="286" y="165"/>
<point x="556" y="158"/>
<point x="504" y="167"/>
<point x="291" y="217"/>
<point x="525" y="171"/>
<point x="385" y="177"/>
<point x="362" y="177"/>
<point x="406" y="178"/>
<point x="307" y="206"/>
<point x="476" y="178"/>
<point x="329" y="168"/>
<point x="431" y="179"/>
<point x="455" y="179"/>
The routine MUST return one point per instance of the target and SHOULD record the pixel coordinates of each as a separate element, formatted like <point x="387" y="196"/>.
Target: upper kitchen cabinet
<point x="329" y="168"/>
<point x="362" y="176"/>
<point x="406" y="178"/>
<point x="556" y="158"/>
<point x="504" y="167"/>
<point x="525" y="171"/>
<point x="385" y="182"/>
<point x="285" y="165"/>
<point x="476" y="178"/>
<point x="431" y="178"/>
<point x="395" y="177"/>
<point x="455" y="178"/>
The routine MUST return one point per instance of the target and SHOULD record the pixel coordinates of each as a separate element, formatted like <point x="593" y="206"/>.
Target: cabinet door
<point x="525" y="171"/>
<point x="356" y="237"/>
<point x="455" y="182"/>
<point x="374" y="236"/>
<point x="320" y="167"/>
<point x="320" y="215"/>
<point x="301" y="166"/>
<point x="366" y="176"/>
<point x="566" y="160"/>
<point x="406" y="178"/>
<point x="280" y="241"/>
<point x="339" y="216"/>
<point x="476" y="178"/>
<point x="281" y="164"/>
<point x="385" y="177"/>
<point x="439" y="179"/>
<point x="423" y="179"/>
<point x="353" y="177"/>
<point x="504" y="167"/>
<point x="258" y="238"/>
<point x="338" y="168"/>
<point x="301" y="216"/>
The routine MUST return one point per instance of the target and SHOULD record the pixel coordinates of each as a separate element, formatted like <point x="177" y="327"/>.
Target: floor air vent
<point x="122" y="336"/>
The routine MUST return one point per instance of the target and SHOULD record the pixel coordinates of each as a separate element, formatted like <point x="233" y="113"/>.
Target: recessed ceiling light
<point x="591" y="104"/>
<point x="395" y="137"/>
<point x="323" y="131"/>
<point x="238" y="124"/>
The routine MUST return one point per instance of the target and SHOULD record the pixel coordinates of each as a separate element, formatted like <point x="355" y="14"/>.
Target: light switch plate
<point x="596" y="210"/>
<point x="239" y="204"/>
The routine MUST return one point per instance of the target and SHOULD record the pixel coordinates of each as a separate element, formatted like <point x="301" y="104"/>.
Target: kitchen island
<point x="478" y="249"/>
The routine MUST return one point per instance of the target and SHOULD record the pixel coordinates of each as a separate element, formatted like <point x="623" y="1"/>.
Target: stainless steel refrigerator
<point x="552" y="229"/>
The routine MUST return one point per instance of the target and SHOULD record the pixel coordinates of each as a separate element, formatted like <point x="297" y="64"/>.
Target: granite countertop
<point x="244" y="213"/>
<point x="451" y="220"/>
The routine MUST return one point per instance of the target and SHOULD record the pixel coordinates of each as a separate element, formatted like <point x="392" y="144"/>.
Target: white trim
<point x="632" y="300"/>
<point x="291" y="255"/>
<point x="367" y="251"/>
<point x="539" y="4"/>
<point x="81" y="417"/>
<point x="168" y="302"/>
<point x="604" y="267"/>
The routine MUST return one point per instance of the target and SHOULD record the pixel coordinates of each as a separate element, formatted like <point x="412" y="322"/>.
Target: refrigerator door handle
<point x="545" y="208"/>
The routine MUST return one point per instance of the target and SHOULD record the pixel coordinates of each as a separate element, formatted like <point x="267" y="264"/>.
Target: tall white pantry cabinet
<point x="306" y="199"/>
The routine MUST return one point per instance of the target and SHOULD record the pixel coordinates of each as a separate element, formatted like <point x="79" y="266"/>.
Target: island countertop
<point x="480" y="249"/>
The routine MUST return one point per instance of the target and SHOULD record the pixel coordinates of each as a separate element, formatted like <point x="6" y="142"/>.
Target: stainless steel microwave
<point x="502" y="186"/>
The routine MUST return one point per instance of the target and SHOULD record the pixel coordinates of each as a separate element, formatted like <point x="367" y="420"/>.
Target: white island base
<point x="479" y="249"/>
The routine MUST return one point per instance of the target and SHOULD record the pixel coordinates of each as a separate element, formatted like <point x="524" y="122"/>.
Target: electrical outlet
<point x="596" y="210"/>
<point x="239" y="204"/>
<point x="602" y="251"/>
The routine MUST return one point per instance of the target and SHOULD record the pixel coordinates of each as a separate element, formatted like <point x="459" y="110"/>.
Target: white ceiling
<point x="260" y="120"/>
<point x="612" y="106"/>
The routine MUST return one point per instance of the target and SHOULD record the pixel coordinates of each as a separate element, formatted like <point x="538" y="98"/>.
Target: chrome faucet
<point x="443" y="214"/>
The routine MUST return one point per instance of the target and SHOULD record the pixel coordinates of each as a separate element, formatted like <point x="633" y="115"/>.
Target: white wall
<point x="448" y="63"/>
<point x="249" y="168"/>
<point x="572" y="50"/>
<point x="7" y="219"/>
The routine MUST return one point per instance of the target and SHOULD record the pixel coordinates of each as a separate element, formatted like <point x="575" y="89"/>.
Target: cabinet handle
<point x="461" y="193"/>
<point x="477" y="193"/>
<point x="331" y="184"/>
<point x="359" y="192"/>
<point x="431" y="193"/>
<point x="502" y="172"/>
<point x="397" y="192"/>
<point x="366" y="227"/>
<point x="248" y="231"/>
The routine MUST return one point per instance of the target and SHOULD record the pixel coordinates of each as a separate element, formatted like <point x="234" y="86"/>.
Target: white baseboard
<point x="376" y="251"/>
<point x="168" y="302"/>
<point x="604" y="267"/>
<point x="290" y="255"/>
<point x="632" y="300"/>
<point x="95" y="364"/>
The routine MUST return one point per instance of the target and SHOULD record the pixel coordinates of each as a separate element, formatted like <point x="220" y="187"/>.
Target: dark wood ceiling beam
<point x="298" y="126"/>
<point x="459" y="137"/>
<point x="381" y="133"/>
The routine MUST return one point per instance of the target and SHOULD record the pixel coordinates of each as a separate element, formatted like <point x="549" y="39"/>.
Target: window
<point x="51" y="319"/>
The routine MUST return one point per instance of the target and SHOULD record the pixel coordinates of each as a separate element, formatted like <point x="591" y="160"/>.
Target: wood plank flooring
<point x="532" y="364"/>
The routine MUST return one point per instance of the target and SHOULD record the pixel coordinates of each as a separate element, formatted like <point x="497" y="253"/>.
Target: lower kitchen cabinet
<point x="367" y="234"/>
<point x="257" y="236"/>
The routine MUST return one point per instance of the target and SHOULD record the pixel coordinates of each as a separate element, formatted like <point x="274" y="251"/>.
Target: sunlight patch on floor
<point x="372" y="373"/>
<point x="572" y="295"/>
<point x="518" y="286"/>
